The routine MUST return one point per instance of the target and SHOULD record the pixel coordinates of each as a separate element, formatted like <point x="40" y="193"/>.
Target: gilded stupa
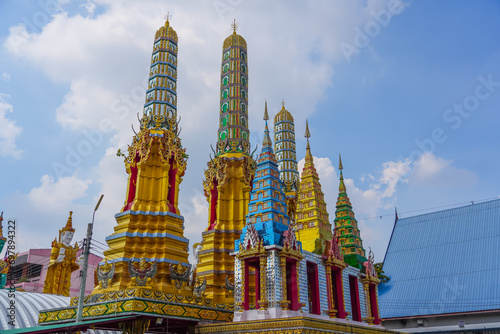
<point x="312" y="222"/>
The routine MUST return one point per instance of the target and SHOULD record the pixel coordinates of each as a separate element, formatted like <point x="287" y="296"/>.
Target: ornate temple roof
<point x="166" y="31"/>
<point x="443" y="262"/>
<point x="234" y="40"/>
<point x="283" y="115"/>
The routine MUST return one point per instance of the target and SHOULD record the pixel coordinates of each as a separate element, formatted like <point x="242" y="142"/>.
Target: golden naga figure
<point x="62" y="262"/>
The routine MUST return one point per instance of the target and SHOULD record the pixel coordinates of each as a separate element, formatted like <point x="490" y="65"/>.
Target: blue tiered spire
<point x="267" y="208"/>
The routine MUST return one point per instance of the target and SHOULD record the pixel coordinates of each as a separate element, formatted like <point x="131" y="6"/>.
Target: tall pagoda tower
<point x="312" y="225"/>
<point x="149" y="236"/>
<point x="284" y="146"/>
<point x="229" y="175"/>
<point x="346" y="227"/>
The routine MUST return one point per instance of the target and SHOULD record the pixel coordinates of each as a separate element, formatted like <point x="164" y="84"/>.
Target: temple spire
<point x="313" y="227"/>
<point x="267" y="144"/>
<point x="233" y="135"/>
<point x="342" y="188"/>
<point x="346" y="227"/>
<point x="309" y="157"/>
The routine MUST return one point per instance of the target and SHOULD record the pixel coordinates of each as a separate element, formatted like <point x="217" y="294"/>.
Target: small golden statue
<point x="62" y="262"/>
<point x="142" y="273"/>
<point x="105" y="274"/>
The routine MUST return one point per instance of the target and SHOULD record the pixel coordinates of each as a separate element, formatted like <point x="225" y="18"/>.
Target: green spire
<point x="346" y="227"/>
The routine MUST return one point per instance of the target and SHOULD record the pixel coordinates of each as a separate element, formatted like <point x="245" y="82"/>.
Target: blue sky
<point x="408" y="92"/>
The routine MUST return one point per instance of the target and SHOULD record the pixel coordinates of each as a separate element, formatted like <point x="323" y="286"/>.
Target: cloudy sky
<point x="407" y="91"/>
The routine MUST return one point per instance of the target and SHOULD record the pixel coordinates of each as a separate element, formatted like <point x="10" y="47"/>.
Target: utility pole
<point x="83" y="281"/>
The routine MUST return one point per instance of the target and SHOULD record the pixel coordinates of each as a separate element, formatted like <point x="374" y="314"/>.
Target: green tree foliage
<point x="380" y="273"/>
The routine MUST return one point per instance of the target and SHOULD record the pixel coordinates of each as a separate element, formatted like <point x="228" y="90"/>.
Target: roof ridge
<point x="473" y="203"/>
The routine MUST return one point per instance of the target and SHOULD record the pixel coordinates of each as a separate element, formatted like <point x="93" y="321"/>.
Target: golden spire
<point x="266" y="142"/>
<point x="69" y="223"/>
<point x="234" y="26"/>
<point x="342" y="188"/>
<point x="283" y="104"/>
<point x="309" y="158"/>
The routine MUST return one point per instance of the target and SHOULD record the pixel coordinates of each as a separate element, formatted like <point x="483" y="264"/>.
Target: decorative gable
<point x="251" y="238"/>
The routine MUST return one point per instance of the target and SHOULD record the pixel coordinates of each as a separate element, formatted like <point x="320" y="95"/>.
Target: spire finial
<point x="69" y="223"/>
<point x="342" y="188"/>
<point x="283" y="104"/>
<point x="309" y="157"/>
<point x="234" y="26"/>
<point x="266" y="142"/>
<point x="167" y="17"/>
<point x="396" y="212"/>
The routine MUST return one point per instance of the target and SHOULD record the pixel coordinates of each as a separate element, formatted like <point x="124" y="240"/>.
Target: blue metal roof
<point x="443" y="262"/>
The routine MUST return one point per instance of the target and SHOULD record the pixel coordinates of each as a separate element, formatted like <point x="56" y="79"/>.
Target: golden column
<point x="263" y="303"/>
<point x="285" y="303"/>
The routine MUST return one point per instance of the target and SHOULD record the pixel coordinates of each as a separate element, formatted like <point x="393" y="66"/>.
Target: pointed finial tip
<point x="167" y="17"/>
<point x="266" y="115"/>
<point x="307" y="134"/>
<point x="234" y="26"/>
<point x="340" y="163"/>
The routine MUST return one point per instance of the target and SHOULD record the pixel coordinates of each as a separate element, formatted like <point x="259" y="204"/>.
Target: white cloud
<point x="9" y="131"/>
<point x="431" y="171"/>
<point x="83" y="105"/>
<point x="6" y="76"/>
<point x="54" y="195"/>
<point x="89" y="6"/>
<point x="393" y="172"/>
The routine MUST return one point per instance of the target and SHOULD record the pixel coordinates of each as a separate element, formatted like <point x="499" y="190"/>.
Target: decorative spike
<point x="396" y="212"/>
<point x="283" y="104"/>
<point x="340" y="163"/>
<point x="309" y="158"/>
<point x="266" y="142"/>
<point x="234" y="26"/>
<point x="266" y="115"/>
